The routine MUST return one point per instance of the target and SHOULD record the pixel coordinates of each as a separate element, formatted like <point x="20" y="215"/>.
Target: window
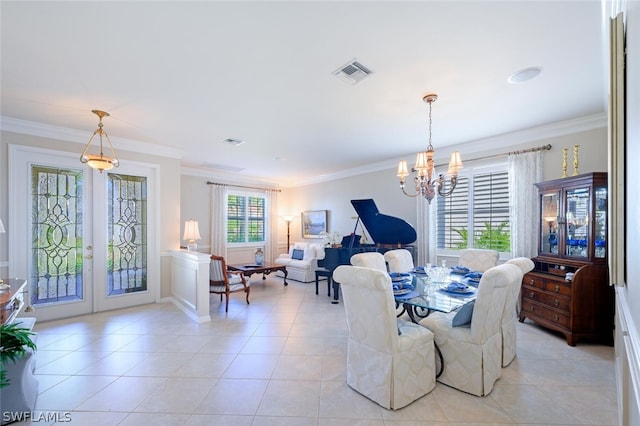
<point x="246" y="215"/>
<point x="480" y="203"/>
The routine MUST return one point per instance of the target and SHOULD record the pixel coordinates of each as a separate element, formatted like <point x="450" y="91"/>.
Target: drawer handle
<point x="531" y="294"/>
<point x="556" y="317"/>
<point x="556" y="303"/>
<point x="533" y="308"/>
<point x="532" y="282"/>
<point x="557" y="288"/>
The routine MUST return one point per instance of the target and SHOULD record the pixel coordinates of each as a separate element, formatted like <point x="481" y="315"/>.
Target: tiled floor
<point x="281" y="361"/>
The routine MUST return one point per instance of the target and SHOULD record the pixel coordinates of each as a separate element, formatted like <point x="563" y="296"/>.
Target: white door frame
<point x="20" y="160"/>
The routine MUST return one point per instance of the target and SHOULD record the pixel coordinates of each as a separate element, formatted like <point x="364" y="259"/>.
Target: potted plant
<point x="14" y="341"/>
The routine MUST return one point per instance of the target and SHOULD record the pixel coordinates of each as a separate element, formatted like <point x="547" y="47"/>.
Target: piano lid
<point x="382" y="228"/>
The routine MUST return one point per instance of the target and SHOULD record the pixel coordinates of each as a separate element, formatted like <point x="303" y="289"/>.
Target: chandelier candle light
<point x="425" y="182"/>
<point x="100" y="161"/>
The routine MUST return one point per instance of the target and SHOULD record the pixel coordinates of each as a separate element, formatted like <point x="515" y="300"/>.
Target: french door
<point x="84" y="240"/>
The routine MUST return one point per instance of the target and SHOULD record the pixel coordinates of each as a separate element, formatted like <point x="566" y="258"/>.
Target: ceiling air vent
<point x="233" y="142"/>
<point x="353" y="72"/>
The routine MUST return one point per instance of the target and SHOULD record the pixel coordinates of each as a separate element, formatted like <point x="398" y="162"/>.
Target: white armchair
<point x="372" y="259"/>
<point x="472" y="355"/>
<point x="390" y="361"/>
<point x="478" y="259"/>
<point x="399" y="260"/>
<point x="303" y="269"/>
<point x="510" y="313"/>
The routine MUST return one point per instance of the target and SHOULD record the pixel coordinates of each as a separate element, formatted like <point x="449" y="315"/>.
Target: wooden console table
<point x="11" y="299"/>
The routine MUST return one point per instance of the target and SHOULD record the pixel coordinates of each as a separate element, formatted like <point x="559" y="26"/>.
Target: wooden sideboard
<point x="11" y="299"/>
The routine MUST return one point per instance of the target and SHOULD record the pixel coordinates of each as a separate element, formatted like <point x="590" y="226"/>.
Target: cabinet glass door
<point x="600" y="225"/>
<point x="577" y="222"/>
<point x="549" y="221"/>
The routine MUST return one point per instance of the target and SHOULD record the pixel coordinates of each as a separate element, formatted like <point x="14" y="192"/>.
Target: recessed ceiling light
<point x="524" y="74"/>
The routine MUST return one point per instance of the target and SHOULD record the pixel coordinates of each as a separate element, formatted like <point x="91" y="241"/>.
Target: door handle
<point x="89" y="256"/>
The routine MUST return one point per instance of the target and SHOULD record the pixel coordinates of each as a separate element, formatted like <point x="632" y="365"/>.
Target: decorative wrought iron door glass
<point x="127" y="234"/>
<point x="57" y="235"/>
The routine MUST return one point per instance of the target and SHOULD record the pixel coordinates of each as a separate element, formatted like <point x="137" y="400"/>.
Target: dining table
<point x="429" y="295"/>
<point x="426" y="294"/>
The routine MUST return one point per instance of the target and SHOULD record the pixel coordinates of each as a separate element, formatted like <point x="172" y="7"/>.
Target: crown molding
<point x="553" y="130"/>
<point x="33" y="128"/>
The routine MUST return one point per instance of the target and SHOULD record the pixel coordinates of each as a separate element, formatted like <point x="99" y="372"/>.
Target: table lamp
<point x="191" y="234"/>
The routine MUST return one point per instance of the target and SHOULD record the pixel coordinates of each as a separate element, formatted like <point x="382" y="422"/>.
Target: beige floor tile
<point x="282" y="361"/>
<point x="528" y="404"/>
<point x="290" y="398"/>
<point x="123" y="394"/>
<point x="137" y="419"/>
<point x="298" y="367"/>
<point x="233" y="396"/>
<point x="463" y="407"/>
<point x="70" y="393"/>
<point x="219" y="420"/>
<point x="251" y="366"/>
<point x="338" y="400"/>
<point x="176" y="395"/>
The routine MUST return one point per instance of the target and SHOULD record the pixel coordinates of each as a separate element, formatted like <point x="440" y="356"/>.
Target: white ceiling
<point x="186" y="75"/>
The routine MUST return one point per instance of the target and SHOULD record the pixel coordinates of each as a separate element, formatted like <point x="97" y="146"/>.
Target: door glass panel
<point x="577" y="218"/>
<point x="600" y="228"/>
<point x="549" y="242"/>
<point x="56" y="222"/>
<point x="127" y="234"/>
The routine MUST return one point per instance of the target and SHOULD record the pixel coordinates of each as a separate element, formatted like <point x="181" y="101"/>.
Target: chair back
<point x="217" y="271"/>
<point x="369" y="306"/>
<point x="510" y="308"/>
<point x="491" y="298"/>
<point x="524" y="263"/>
<point x="373" y="260"/>
<point x="399" y="260"/>
<point x="478" y="259"/>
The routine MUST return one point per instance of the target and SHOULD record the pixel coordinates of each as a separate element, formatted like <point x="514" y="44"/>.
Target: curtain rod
<point x="505" y="154"/>
<point x="242" y="186"/>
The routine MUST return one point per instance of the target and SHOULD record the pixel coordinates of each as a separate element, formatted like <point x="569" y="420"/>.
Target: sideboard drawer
<point x="551" y="315"/>
<point x="557" y="301"/>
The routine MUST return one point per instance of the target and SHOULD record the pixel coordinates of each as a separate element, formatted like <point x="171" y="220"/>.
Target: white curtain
<point x="426" y="227"/>
<point x="219" y="220"/>
<point x="524" y="171"/>
<point x="271" y="244"/>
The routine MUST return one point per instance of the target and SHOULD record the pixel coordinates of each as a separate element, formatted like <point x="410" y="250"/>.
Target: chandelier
<point x="99" y="161"/>
<point x="425" y="182"/>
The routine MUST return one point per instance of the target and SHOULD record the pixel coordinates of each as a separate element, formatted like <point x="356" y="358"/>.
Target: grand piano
<point x="387" y="233"/>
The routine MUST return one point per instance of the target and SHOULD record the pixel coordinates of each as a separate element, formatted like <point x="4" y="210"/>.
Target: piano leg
<point x="336" y="291"/>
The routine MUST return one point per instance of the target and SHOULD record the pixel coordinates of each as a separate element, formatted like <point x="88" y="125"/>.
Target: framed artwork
<point x="314" y="224"/>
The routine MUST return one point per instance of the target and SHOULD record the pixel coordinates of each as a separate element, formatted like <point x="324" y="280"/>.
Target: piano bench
<point x="323" y="272"/>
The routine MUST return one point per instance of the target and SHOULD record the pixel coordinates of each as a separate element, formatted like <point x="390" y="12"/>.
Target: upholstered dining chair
<point x="224" y="282"/>
<point x="371" y="259"/>
<point x="510" y="313"/>
<point x="472" y="354"/>
<point x="390" y="361"/>
<point x="478" y="259"/>
<point x="399" y="260"/>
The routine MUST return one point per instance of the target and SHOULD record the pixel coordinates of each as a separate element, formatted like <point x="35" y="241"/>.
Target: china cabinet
<point x="568" y="290"/>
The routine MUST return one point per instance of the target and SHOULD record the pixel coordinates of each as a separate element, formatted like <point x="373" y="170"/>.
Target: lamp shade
<point x="455" y="163"/>
<point x="191" y="231"/>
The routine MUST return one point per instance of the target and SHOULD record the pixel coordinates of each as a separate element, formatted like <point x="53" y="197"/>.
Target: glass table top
<point x="433" y="297"/>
